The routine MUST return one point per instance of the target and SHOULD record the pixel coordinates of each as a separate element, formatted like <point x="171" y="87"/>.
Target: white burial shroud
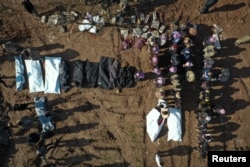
<point x="52" y="67"/>
<point x="174" y="125"/>
<point x="153" y="129"/>
<point x="35" y="77"/>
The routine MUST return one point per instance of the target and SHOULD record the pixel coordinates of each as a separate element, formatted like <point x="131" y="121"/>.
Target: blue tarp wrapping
<point x="20" y="80"/>
<point x="40" y="111"/>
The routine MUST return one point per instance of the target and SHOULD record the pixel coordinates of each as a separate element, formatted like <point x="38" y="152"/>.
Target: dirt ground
<point x="97" y="127"/>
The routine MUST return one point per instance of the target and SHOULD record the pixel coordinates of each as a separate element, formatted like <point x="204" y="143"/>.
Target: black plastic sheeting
<point x="126" y="77"/>
<point x="78" y="74"/>
<point x="4" y="138"/>
<point x="103" y="78"/>
<point x="64" y="76"/>
<point x="91" y="71"/>
<point x="106" y="74"/>
<point x="113" y="75"/>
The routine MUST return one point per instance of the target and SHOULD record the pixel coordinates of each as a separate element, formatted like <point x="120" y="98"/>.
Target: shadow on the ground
<point x="10" y="151"/>
<point x="118" y="164"/>
<point x="48" y="47"/>
<point x="228" y="7"/>
<point x="216" y="148"/>
<point x="76" y="142"/>
<point x="228" y="50"/>
<point x="68" y="54"/>
<point x="230" y="126"/>
<point x="66" y="113"/>
<point x="181" y="150"/>
<point x="107" y="148"/>
<point x="76" y="129"/>
<point x="224" y="137"/>
<point x="74" y="160"/>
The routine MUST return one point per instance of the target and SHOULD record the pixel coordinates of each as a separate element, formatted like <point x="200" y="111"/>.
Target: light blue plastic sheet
<point x="40" y="111"/>
<point x="20" y="80"/>
<point x="35" y="76"/>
